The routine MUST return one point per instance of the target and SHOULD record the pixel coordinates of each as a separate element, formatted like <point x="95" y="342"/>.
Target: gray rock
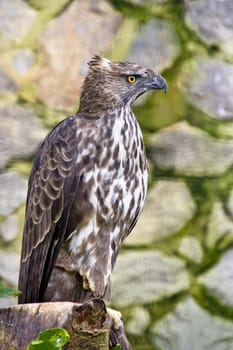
<point x="9" y="267"/>
<point x="219" y="279"/>
<point x="207" y="84"/>
<point x="212" y="20"/>
<point x="13" y="189"/>
<point x="139" y="321"/>
<point x="191" y="151"/>
<point x="230" y="203"/>
<point x="88" y="27"/>
<point x="146" y="276"/>
<point x="169" y="206"/>
<point x="23" y="60"/>
<point x="156" y="45"/>
<point x="7" y="83"/>
<point x="147" y="2"/>
<point x="219" y="226"/>
<point x="191" y="248"/>
<point x="7" y="301"/>
<point x="20" y="133"/>
<point x="9" y="228"/>
<point x="16" y="18"/>
<point x="191" y="327"/>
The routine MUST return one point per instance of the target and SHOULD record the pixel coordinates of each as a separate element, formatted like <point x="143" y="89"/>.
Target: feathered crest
<point x="97" y="62"/>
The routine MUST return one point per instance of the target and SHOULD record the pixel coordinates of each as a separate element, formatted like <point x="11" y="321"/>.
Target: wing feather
<point x="52" y="185"/>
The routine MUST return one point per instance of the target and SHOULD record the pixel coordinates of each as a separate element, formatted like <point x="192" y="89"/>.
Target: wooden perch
<point x="90" y="325"/>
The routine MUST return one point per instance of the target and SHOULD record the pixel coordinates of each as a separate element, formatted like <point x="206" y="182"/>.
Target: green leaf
<point x="50" y="339"/>
<point x="6" y="291"/>
<point x="117" y="347"/>
<point x="36" y="342"/>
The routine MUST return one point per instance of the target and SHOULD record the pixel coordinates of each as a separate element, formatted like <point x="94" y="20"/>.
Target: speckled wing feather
<point x="51" y="189"/>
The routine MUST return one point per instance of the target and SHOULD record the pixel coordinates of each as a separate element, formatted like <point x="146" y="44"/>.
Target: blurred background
<point x="173" y="280"/>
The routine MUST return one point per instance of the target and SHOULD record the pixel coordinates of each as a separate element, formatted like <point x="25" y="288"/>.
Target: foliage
<point x="117" y="347"/>
<point x="50" y="339"/>
<point x="7" y="291"/>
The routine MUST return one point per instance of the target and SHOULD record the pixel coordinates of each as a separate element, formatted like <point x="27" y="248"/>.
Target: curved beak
<point x="159" y="83"/>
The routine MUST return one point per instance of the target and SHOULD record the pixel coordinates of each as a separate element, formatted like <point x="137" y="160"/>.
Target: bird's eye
<point x="131" y="79"/>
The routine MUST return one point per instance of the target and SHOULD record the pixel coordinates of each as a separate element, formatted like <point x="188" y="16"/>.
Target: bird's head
<point x="110" y="85"/>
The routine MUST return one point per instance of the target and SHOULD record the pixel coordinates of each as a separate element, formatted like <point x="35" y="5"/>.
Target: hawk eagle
<point x="86" y="189"/>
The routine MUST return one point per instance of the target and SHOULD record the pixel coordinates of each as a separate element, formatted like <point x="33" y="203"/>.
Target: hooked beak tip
<point x="160" y="83"/>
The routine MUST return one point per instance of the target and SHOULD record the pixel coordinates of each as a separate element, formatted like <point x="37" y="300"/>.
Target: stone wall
<point x="173" y="280"/>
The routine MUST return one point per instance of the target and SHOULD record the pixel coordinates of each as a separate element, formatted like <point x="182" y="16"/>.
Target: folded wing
<point x="52" y="186"/>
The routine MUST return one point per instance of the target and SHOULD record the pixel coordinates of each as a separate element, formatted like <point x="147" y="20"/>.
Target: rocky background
<point x="174" y="277"/>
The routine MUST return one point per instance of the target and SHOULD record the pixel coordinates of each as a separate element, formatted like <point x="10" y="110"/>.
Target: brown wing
<point x="52" y="185"/>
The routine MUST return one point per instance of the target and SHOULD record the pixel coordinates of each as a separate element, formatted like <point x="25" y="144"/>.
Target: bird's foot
<point x="117" y="334"/>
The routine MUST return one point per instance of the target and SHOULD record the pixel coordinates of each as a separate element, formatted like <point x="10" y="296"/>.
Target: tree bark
<point x="90" y="325"/>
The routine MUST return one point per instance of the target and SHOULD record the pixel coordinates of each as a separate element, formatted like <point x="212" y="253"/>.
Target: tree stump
<point x="90" y="325"/>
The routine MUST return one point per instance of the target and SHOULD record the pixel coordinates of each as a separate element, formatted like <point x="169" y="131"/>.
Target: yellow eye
<point x="131" y="79"/>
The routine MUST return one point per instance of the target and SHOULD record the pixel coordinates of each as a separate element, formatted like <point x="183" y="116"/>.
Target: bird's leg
<point x="117" y="334"/>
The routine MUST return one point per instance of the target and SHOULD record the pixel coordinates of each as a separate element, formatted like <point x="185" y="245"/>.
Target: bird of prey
<point x="86" y="189"/>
